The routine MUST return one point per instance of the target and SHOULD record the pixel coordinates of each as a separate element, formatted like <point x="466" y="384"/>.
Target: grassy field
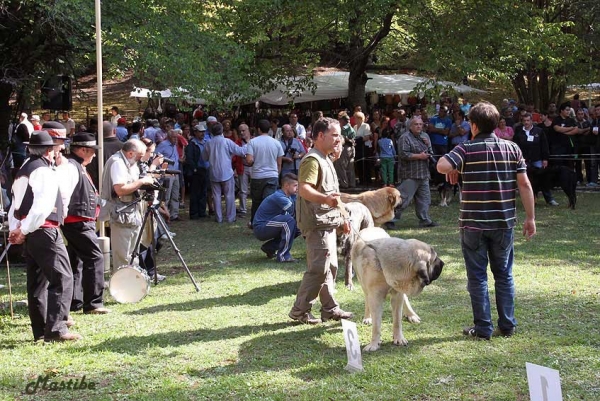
<point x="233" y="340"/>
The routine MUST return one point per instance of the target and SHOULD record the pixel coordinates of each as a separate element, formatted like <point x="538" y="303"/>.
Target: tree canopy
<point x="229" y="50"/>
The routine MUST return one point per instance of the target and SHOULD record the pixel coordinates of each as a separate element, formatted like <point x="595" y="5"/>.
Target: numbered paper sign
<point x="544" y="383"/>
<point x="352" y="346"/>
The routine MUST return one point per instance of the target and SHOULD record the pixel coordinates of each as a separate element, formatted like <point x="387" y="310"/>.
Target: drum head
<point x="129" y="284"/>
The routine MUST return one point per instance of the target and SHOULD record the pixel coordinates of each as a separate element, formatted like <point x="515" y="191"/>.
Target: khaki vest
<point x="130" y="216"/>
<point x="316" y="216"/>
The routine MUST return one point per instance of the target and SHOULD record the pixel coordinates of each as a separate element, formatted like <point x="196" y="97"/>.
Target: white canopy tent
<point x="334" y="85"/>
<point x="149" y="93"/>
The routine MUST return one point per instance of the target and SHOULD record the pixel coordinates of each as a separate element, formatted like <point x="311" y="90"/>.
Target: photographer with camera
<point x="293" y="151"/>
<point x="121" y="182"/>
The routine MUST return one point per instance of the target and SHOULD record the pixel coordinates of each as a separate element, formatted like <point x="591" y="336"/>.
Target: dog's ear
<point x="393" y="197"/>
<point x="436" y="269"/>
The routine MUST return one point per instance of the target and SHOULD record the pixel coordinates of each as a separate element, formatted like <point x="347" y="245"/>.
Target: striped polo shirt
<point x="489" y="168"/>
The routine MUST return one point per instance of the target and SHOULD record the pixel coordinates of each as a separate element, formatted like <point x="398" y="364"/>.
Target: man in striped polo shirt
<point x="492" y="169"/>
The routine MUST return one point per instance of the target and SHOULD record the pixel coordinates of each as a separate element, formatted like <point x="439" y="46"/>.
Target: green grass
<point x="233" y="339"/>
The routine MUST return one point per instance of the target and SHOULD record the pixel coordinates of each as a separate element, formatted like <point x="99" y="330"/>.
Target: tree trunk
<point x="357" y="82"/>
<point x="5" y="112"/>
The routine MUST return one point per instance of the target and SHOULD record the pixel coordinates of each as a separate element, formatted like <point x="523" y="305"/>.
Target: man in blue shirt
<point x="122" y="132"/>
<point x="168" y="149"/>
<point x="219" y="151"/>
<point x="439" y="129"/>
<point x="275" y="221"/>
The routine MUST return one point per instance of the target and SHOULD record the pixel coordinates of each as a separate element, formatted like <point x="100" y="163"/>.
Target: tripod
<point x="151" y="215"/>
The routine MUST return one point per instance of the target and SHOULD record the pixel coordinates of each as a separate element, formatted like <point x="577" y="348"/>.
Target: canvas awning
<point x="333" y="85"/>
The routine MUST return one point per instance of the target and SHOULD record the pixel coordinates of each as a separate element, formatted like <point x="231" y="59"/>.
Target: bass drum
<point x="130" y="284"/>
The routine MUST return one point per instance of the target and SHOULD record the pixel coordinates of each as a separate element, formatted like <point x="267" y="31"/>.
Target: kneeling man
<point x="275" y="221"/>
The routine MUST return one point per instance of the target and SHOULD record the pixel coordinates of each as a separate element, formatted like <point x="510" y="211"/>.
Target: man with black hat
<point x="34" y="217"/>
<point x="79" y="228"/>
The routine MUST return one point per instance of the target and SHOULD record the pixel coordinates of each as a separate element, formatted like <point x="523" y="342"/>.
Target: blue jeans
<point x="495" y="247"/>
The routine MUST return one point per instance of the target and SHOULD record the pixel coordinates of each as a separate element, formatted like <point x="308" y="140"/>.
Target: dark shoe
<point x="307" y="318"/>
<point x="70" y="322"/>
<point x="503" y="333"/>
<point x="175" y="219"/>
<point x="390" y="225"/>
<point x="37" y="339"/>
<point x="290" y="260"/>
<point x="470" y="332"/>
<point x="338" y="315"/>
<point x="64" y="337"/>
<point x="250" y="225"/>
<point x="97" y="311"/>
<point x="270" y="254"/>
<point x="430" y="224"/>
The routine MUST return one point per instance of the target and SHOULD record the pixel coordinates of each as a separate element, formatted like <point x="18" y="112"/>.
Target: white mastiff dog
<point x="392" y="265"/>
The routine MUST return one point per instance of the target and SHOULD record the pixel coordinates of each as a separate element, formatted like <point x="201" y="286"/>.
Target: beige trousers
<point x="321" y="257"/>
<point x="122" y="240"/>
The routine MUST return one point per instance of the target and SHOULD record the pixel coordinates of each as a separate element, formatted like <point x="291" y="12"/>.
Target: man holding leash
<point x="491" y="170"/>
<point x="318" y="217"/>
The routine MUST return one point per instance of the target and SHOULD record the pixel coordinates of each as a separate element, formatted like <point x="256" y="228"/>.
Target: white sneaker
<point x="172" y="233"/>
<point x="553" y="203"/>
<point x="592" y="185"/>
<point x="160" y="277"/>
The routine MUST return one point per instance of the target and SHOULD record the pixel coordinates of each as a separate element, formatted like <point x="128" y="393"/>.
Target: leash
<point x="347" y="218"/>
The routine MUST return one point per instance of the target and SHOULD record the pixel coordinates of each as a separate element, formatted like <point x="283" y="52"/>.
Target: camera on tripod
<point x="165" y="159"/>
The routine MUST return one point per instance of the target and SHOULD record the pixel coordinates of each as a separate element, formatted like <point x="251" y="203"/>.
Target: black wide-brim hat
<point x="40" y="138"/>
<point x="55" y="129"/>
<point x="84" y="140"/>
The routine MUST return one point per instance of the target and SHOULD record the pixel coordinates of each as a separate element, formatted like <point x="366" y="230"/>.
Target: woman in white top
<point x="363" y="148"/>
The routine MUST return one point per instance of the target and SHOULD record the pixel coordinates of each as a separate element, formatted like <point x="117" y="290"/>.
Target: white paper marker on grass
<point x="544" y="383"/>
<point x="352" y="346"/>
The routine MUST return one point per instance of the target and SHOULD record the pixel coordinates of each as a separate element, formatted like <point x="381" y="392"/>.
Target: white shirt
<point x="29" y="125"/>
<point x="114" y="119"/>
<point x="300" y="130"/>
<point x="276" y="134"/>
<point x="363" y="131"/>
<point x="44" y="184"/>
<point x="69" y="125"/>
<point x="122" y="174"/>
<point x="69" y="178"/>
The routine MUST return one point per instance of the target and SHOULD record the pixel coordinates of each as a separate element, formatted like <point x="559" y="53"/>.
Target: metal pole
<point x="99" y="100"/>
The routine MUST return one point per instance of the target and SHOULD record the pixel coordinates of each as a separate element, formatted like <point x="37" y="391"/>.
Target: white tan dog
<point x="392" y="265"/>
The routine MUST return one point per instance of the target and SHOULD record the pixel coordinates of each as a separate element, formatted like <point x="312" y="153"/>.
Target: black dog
<point x="556" y="176"/>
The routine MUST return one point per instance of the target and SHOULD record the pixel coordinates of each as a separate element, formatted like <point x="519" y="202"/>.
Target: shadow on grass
<point x="301" y="351"/>
<point x="255" y="297"/>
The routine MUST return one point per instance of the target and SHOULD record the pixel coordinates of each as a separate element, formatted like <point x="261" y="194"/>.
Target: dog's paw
<point x="350" y="287"/>
<point x="413" y="318"/>
<point x="371" y="347"/>
<point x="400" y="341"/>
<point x="368" y="321"/>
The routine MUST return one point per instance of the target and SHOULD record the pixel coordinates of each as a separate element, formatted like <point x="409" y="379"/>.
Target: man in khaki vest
<point x="318" y="217"/>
